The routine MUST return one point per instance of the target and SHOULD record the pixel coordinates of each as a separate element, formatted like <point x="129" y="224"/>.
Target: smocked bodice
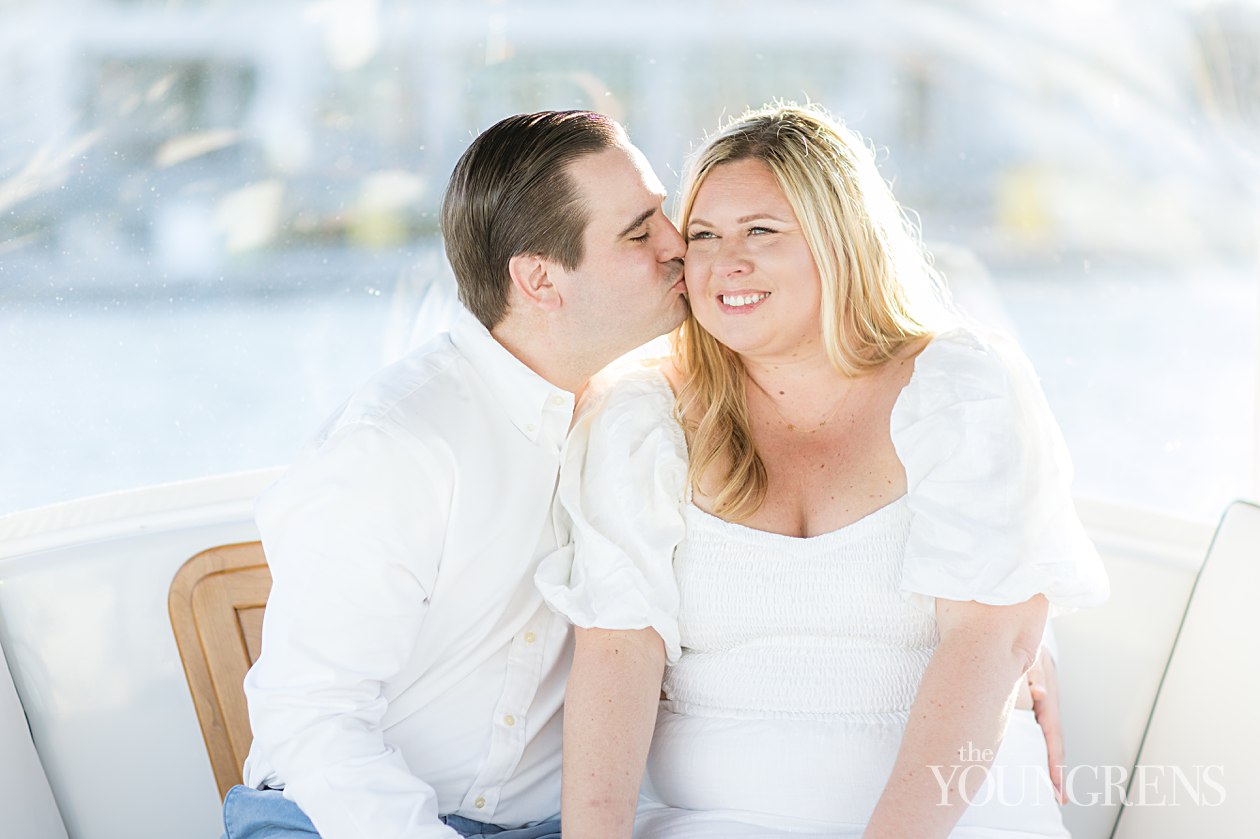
<point x="777" y="626"/>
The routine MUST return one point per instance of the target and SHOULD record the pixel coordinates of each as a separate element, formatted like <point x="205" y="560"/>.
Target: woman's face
<point x="751" y="279"/>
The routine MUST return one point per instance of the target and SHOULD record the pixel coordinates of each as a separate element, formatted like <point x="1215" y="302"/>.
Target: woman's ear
<point x="531" y="274"/>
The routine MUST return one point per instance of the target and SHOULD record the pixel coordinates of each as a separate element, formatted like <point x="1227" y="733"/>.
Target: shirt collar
<point x="530" y="401"/>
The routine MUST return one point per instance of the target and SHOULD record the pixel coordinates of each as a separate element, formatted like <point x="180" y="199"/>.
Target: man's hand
<point x="1043" y="684"/>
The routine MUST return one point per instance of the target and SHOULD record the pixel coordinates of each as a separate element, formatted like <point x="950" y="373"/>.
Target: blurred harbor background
<point x="218" y="217"/>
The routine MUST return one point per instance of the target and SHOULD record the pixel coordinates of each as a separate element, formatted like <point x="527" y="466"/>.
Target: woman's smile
<point x="741" y="302"/>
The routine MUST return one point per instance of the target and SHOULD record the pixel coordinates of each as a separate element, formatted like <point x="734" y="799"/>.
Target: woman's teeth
<point x="744" y="299"/>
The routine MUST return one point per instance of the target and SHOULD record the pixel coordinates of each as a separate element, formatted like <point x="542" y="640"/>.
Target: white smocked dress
<point x="792" y="663"/>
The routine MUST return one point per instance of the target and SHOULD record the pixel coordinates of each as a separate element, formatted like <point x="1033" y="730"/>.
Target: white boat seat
<point x="1197" y="772"/>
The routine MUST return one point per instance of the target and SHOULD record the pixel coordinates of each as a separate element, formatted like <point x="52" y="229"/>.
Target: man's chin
<point x="684" y="308"/>
<point x="681" y="317"/>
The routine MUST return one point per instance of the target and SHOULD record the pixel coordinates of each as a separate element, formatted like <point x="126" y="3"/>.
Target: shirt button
<point x="531" y="428"/>
<point x="557" y="401"/>
<point x="509" y="720"/>
<point x="530" y="637"/>
<point x="480" y="802"/>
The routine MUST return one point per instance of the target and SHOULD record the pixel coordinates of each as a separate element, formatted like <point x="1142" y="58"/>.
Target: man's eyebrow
<point x="638" y="220"/>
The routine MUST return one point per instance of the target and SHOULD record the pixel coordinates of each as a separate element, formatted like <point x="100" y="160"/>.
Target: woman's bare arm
<point x="958" y="716"/>
<point x="609" y="714"/>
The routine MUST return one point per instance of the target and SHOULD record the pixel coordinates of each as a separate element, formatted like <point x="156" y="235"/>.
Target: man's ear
<point x="532" y="274"/>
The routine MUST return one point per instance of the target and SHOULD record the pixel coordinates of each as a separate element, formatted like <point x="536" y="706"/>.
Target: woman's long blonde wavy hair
<point x="879" y="291"/>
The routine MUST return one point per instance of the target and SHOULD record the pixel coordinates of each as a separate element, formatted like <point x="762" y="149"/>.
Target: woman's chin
<point x="735" y="342"/>
<point x="726" y="334"/>
<point x="764" y="344"/>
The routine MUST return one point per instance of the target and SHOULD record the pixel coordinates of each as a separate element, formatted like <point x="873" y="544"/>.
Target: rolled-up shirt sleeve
<point x="353" y="533"/>
<point x="622" y="487"/>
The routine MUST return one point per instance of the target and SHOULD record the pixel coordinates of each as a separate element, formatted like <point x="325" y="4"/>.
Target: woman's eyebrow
<point x="741" y="219"/>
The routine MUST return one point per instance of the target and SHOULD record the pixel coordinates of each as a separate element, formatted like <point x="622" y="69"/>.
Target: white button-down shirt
<point x="409" y="667"/>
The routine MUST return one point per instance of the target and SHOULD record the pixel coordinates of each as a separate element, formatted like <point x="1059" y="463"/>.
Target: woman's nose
<point x="730" y="259"/>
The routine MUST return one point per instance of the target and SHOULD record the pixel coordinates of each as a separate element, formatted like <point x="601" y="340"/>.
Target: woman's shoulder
<point x="634" y="387"/>
<point x="973" y="347"/>
<point x="966" y="363"/>
<point x="629" y="406"/>
<point x="972" y="390"/>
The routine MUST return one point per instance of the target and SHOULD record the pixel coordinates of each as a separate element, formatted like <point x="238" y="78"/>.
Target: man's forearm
<point x="609" y="715"/>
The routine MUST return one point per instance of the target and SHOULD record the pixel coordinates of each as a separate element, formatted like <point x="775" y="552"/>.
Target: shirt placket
<point x="507" y="737"/>
<point x="523" y="675"/>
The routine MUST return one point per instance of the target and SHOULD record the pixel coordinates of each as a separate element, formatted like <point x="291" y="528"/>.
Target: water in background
<point x="206" y="207"/>
<point x="1152" y="380"/>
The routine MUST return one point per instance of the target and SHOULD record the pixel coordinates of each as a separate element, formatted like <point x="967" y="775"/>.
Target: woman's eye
<point x="760" y="231"/>
<point x="699" y="234"/>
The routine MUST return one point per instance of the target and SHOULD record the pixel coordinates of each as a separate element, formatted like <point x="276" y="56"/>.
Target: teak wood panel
<point x="216" y="604"/>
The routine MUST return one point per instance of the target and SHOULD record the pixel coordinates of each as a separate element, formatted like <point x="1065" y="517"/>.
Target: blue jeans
<point x="476" y="830"/>
<point x="267" y="814"/>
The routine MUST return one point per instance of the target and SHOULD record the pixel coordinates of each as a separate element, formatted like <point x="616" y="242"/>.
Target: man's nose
<point x="675" y="247"/>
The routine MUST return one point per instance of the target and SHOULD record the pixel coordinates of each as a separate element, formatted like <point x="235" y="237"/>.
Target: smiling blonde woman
<point x="827" y="533"/>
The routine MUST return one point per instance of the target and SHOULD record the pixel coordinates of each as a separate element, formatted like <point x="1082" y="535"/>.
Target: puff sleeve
<point x="621" y="490"/>
<point x="988" y="482"/>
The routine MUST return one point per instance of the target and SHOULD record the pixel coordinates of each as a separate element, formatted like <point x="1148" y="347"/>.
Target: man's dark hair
<point x="511" y="193"/>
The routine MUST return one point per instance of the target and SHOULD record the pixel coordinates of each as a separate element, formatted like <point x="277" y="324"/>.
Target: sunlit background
<point x="217" y="218"/>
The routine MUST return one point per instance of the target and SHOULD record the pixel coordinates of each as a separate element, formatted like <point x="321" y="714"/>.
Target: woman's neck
<point x="800" y="380"/>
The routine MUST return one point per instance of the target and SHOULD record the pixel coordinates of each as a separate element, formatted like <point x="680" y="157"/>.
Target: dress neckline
<point x="661" y="381"/>
<point x="770" y="536"/>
